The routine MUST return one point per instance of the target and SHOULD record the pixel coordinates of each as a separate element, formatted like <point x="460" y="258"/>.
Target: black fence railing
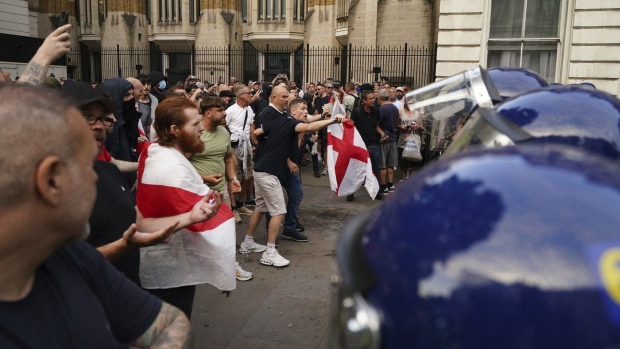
<point x="398" y="65"/>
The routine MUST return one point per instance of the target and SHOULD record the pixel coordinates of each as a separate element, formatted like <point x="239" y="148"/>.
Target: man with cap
<point x="112" y="228"/>
<point x="228" y="97"/>
<point x="400" y="94"/>
<point x="158" y="83"/>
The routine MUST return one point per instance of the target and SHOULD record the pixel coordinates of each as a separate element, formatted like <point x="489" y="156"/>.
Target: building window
<point x="299" y="9"/>
<point x="171" y="10"/>
<point x="103" y="11"/>
<point x="268" y="9"/>
<point x="147" y="5"/>
<point x="525" y="33"/>
<point x="194" y="10"/>
<point x="244" y="10"/>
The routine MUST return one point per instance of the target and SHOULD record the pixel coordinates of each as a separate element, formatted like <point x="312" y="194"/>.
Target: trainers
<point x="246" y="247"/>
<point x="294" y="235"/>
<point x="244" y="210"/>
<point x="317" y="174"/>
<point x="379" y="196"/>
<point x="242" y="275"/>
<point x="237" y="217"/>
<point x="274" y="259"/>
<point x="250" y="202"/>
<point x="350" y="197"/>
<point x="392" y="189"/>
<point x="324" y="173"/>
<point x="300" y="227"/>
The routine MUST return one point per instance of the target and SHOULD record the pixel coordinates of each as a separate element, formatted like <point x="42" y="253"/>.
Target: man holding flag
<point x="350" y="153"/>
<point x="270" y="170"/>
<point x="169" y="185"/>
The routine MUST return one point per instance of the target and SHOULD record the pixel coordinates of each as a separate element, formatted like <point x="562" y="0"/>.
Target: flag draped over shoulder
<point x="348" y="161"/>
<point x="169" y="185"/>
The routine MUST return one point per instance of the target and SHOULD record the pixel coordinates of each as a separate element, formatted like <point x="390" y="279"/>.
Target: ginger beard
<point x="190" y="143"/>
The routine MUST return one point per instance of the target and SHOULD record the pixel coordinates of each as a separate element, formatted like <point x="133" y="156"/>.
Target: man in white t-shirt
<point x="239" y="117"/>
<point x="394" y="100"/>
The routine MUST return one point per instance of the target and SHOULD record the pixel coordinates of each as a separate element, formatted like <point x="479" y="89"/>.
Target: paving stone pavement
<point x="281" y="307"/>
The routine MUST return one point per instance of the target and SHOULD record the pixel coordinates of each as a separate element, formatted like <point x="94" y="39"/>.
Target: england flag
<point x="348" y="161"/>
<point x="168" y="185"/>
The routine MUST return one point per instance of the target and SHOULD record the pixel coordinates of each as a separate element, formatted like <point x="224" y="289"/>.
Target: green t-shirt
<point x="211" y="160"/>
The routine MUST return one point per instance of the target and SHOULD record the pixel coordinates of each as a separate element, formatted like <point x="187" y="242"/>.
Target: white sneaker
<point x="324" y="173"/>
<point x="242" y="275"/>
<point x="251" y="247"/>
<point x="274" y="259"/>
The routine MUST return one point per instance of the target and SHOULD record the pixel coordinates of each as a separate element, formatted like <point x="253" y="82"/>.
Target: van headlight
<point x="355" y="324"/>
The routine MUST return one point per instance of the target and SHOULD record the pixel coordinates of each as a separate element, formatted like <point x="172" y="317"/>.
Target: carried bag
<point x="315" y="149"/>
<point x="411" y="149"/>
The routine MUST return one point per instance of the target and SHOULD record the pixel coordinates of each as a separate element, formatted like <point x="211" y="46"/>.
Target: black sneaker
<point x="350" y="197"/>
<point x="317" y="174"/>
<point x="300" y="227"/>
<point x="379" y="196"/>
<point x="294" y="235"/>
<point x="251" y="202"/>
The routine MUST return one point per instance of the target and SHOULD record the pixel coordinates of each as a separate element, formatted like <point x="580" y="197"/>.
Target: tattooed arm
<point x="170" y="329"/>
<point x="54" y="46"/>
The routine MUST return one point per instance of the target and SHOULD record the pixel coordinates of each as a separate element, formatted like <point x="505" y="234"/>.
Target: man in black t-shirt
<point x="112" y="230"/>
<point x="270" y="169"/>
<point x="56" y="292"/>
<point x="366" y="118"/>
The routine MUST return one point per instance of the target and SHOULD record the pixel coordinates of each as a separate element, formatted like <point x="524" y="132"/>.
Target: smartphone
<point x="64" y="18"/>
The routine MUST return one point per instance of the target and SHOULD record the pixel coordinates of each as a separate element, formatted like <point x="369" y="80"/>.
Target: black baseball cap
<point x="83" y="93"/>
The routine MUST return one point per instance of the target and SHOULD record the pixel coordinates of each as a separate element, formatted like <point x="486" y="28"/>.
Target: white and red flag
<point x="168" y="185"/>
<point x="348" y="161"/>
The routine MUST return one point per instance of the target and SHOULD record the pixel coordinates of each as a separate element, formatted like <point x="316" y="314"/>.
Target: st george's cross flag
<point x="348" y="161"/>
<point x="169" y="185"/>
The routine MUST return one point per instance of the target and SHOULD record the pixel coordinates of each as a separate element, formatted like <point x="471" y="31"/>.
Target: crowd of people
<point x="167" y="156"/>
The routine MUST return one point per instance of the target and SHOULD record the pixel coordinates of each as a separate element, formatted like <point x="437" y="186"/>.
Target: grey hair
<point x="383" y="95"/>
<point x="30" y="132"/>
<point x="239" y="91"/>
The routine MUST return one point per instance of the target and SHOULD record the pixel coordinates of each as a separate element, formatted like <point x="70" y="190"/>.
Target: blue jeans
<point x="295" y="192"/>
<point x="375" y="158"/>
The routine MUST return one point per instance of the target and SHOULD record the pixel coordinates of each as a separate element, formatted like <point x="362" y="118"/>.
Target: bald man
<point x="57" y="291"/>
<point x="271" y="171"/>
<point x="143" y="109"/>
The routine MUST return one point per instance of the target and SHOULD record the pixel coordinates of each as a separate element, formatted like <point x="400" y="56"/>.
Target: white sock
<point x="271" y="248"/>
<point x="249" y="239"/>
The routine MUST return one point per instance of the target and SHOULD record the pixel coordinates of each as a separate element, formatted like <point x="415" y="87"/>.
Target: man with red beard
<point x="168" y="185"/>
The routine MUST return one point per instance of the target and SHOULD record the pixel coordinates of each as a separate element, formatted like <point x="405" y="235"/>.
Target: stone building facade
<point x="566" y="41"/>
<point x="286" y="24"/>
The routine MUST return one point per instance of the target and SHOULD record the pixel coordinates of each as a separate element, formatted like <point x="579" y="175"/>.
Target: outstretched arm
<point x="317" y="125"/>
<point x="133" y="239"/>
<point x="202" y="211"/>
<point x="171" y="329"/>
<point x="54" y="46"/>
<point x="125" y="166"/>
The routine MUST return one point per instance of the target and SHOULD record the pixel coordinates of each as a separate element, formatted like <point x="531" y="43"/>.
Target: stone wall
<point x="404" y="21"/>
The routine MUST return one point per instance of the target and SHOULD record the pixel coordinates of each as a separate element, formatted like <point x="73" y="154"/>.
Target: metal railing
<point x="398" y="65"/>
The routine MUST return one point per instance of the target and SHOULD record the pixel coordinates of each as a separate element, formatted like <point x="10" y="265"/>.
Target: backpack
<point x="357" y="101"/>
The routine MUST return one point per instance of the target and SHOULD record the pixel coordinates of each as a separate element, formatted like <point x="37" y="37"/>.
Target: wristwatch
<point x="234" y="179"/>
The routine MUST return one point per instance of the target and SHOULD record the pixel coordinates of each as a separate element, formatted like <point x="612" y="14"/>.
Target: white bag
<point x="411" y="150"/>
<point x="314" y="150"/>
